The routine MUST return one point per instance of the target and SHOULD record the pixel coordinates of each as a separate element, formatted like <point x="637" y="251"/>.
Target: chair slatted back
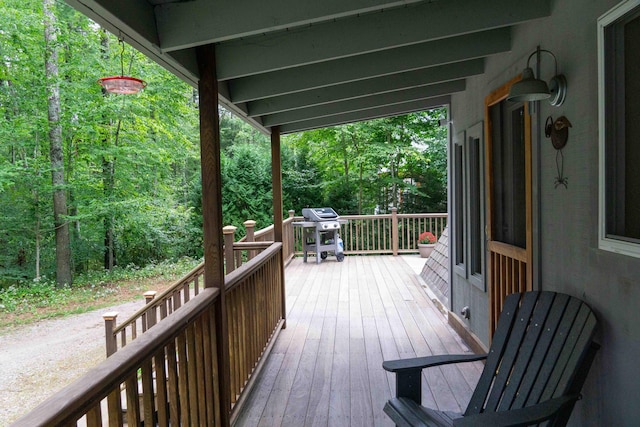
<point x="541" y="341"/>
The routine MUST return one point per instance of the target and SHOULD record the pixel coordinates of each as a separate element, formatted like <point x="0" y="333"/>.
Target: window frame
<point x="459" y="185"/>
<point x="606" y="21"/>
<point x="476" y="163"/>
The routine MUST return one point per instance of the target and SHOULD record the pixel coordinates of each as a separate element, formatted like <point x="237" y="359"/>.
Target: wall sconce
<point x="532" y="89"/>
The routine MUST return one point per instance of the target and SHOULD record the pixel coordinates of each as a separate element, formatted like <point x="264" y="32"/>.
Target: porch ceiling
<point x="303" y="64"/>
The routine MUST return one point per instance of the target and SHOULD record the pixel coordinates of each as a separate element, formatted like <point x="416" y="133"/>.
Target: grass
<point x="28" y="303"/>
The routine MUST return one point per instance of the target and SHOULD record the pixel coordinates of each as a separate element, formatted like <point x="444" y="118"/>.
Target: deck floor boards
<point x="343" y="320"/>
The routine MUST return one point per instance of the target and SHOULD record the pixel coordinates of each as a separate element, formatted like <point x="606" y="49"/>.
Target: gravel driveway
<point x="39" y="359"/>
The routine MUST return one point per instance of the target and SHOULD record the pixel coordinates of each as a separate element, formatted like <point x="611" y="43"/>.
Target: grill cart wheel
<point x="340" y="257"/>
<point x="323" y="255"/>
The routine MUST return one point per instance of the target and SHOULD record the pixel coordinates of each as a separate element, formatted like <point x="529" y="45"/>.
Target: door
<point x="509" y="240"/>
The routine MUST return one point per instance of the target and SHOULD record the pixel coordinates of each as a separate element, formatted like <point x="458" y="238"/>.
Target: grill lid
<point x="319" y="214"/>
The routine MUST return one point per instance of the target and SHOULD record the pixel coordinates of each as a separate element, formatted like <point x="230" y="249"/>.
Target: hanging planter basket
<point x="122" y="84"/>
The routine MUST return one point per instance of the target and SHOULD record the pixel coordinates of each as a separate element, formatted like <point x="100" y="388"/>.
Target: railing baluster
<point x="162" y="397"/>
<point x="172" y="384"/>
<point x="200" y="376"/>
<point x="114" y="408"/>
<point x="94" y="416"/>
<point x="216" y="370"/>
<point x="186" y="293"/>
<point x="183" y="380"/>
<point x="209" y="394"/>
<point x="133" y="400"/>
<point x="148" y="393"/>
<point x="192" y="372"/>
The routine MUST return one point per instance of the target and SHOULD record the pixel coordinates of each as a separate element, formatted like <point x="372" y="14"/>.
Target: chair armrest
<point x="518" y="417"/>
<point x="429" y="361"/>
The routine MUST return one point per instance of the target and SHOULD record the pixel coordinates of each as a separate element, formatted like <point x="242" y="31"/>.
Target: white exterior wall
<point x="567" y="250"/>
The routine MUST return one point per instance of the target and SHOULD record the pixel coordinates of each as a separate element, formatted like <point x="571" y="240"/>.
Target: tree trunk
<point x="345" y="157"/>
<point x="394" y="184"/>
<point x="108" y="180"/>
<point x="63" y="244"/>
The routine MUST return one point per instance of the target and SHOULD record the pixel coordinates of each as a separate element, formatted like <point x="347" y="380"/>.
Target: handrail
<point x="232" y="279"/>
<point x="75" y="400"/>
<point x="171" y="373"/>
<point x="166" y="302"/>
<point x="195" y="272"/>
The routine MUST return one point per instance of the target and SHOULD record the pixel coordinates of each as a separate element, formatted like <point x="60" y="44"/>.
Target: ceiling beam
<point x="364" y="103"/>
<point x="388" y="83"/>
<point x="370" y="33"/>
<point x="371" y="65"/>
<point x="134" y="17"/>
<point x="192" y="23"/>
<point x="358" y="116"/>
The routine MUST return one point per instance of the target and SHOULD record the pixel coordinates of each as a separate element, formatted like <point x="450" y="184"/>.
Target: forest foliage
<point x="132" y="163"/>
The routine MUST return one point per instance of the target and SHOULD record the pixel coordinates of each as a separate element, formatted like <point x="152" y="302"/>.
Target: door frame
<point x="504" y="261"/>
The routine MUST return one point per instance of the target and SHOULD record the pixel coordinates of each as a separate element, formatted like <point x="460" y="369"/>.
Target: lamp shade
<point x="122" y="84"/>
<point x="529" y="88"/>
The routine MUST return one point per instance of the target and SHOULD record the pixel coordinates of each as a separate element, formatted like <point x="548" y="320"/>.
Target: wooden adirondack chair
<point x="541" y="352"/>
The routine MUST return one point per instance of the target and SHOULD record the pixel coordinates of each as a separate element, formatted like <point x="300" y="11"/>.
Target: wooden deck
<point x="344" y="319"/>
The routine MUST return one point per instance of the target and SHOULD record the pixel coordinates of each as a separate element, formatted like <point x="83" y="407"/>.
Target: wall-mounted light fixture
<point x="531" y="88"/>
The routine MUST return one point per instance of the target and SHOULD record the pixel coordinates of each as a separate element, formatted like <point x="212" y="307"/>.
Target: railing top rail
<point x="252" y="245"/>
<point x="365" y="216"/>
<point x="69" y="404"/>
<point x="423" y="215"/>
<point x="388" y="215"/>
<point x="195" y="272"/>
<point x="263" y="231"/>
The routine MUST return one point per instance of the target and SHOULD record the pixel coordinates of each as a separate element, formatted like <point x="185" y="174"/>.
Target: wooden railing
<point x="156" y="307"/>
<point x="170" y="373"/>
<point x="159" y="306"/>
<point x="392" y="233"/>
<point x="243" y="251"/>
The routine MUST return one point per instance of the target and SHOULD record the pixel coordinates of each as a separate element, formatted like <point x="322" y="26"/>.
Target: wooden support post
<point x="394" y="231"/>
<point x="149" y="296"/>
<point x="289" y="239"/>
<point x="276" y="173"/>
<point x="250" y="227"/>
<point x="151" y="314"/>
<point x="212" y="215"/>
<point x="229" y="232"/>
<point x="109" y="326"/>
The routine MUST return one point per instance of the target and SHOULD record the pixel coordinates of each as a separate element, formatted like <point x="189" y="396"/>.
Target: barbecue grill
<point x="320" y="232"/>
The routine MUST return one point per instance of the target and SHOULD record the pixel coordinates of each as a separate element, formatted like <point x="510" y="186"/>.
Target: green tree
<point x="371" y="166"/>
<point x="63" y="242"/>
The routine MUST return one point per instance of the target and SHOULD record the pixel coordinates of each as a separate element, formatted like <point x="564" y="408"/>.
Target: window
<point x="475" y="150"/>
<point x="459" y="208"/>
<point x="619" y="108"/>
<point x="509" y="177"/>
<point x="468" y="205"/>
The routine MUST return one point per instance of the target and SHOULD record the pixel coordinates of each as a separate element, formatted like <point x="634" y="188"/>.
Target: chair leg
<point x="408" y="384"/>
